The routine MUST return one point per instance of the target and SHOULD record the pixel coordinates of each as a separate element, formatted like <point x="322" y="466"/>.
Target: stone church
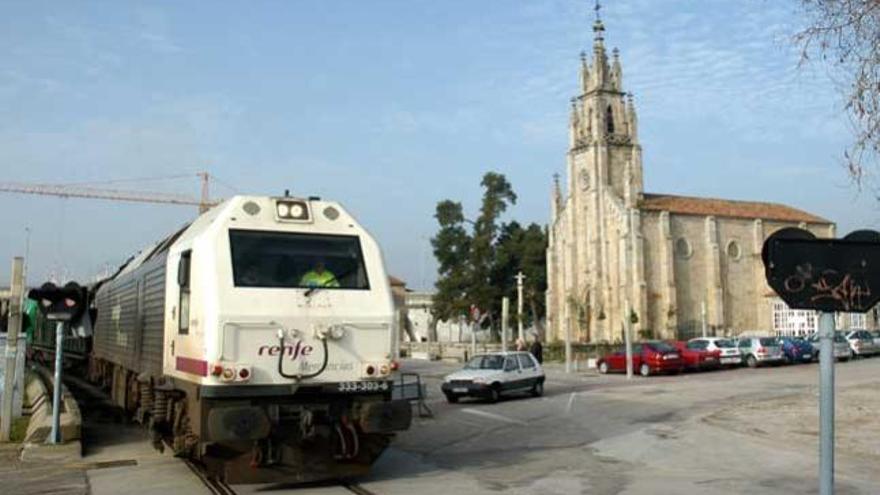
<point x="675" y="261"/>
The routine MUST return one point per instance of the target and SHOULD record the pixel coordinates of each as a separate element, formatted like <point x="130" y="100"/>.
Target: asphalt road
<point x="587" y="434"/>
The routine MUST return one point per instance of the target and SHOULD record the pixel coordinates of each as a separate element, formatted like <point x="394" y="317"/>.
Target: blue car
<point x="796" y="350"/>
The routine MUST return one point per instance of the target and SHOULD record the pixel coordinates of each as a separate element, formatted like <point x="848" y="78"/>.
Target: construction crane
<point x="204" y="202"/>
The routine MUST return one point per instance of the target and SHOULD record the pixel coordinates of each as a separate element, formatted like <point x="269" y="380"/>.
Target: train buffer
<point x="409" y="387"/>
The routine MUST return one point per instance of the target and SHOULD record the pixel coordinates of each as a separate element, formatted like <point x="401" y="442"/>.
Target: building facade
<point x="675" y="261"/>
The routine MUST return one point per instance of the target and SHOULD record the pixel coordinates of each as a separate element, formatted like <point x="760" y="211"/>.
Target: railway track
<point x="218" y="487"/>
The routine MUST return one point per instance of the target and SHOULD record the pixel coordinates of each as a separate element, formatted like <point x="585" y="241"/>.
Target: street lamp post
<point x="519" y="304"/>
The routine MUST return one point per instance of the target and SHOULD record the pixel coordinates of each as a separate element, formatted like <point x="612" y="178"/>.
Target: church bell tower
<point x="596" y="236"/>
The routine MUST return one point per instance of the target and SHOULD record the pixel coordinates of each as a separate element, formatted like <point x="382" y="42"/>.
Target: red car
<point x="647" y="357"/>
<point x="695" y="355"/>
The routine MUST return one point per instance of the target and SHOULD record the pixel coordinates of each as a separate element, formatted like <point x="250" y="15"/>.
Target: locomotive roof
<point x="150" y="252"/>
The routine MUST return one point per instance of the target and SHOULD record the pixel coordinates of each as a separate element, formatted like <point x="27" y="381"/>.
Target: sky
<point x="389" y="107"/>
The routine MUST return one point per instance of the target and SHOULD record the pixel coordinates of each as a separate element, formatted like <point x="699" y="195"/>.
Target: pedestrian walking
<point x="520" y="345"/>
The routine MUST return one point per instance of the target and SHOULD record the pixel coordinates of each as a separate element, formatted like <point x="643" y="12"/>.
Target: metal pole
<point x="627" y="340"/>
<point x="431" y="323"/>
<point x="505" y="313"/>
<point x="568" y="347"/>
<point x="473" y="339"/>
<point x="12" y="327"/>
<point x="826" y="403"/>
<point x="703" y="317"/>
<point x="55" y="437"/>
<point x="519" y="304"/>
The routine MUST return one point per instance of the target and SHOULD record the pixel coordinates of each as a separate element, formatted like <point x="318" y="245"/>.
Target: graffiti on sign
<point x="823" y="274"/>
<point x="829" y="286"/>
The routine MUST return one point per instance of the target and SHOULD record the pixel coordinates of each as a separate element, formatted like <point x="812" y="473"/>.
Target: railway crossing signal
<point x="61" y="305"/>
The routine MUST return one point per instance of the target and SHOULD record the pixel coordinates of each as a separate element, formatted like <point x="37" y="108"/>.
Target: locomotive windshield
<point x="295" y="260"/>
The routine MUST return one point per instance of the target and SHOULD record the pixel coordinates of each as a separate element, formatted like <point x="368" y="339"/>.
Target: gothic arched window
<point x="590" y="121"/>
<point x="609" y="120"/>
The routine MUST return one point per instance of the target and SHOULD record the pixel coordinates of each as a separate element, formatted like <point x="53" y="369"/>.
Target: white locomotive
<point x="258" y="340"/>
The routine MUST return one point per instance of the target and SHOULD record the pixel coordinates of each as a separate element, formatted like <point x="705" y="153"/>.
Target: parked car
<point x="648" y="358"/>
<point x="841" y="348"/>
<point x="729" y="352"/>
<point x="757" y="351"/>
<point x="862" y="343"/>
<point x="796" y="350"/>
<point x="491" y="375"/>
<point x="696" y="356"/>
<point x="876" y="335"/>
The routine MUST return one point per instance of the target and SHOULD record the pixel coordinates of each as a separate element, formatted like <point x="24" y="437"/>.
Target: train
<point x="255" y="340"/>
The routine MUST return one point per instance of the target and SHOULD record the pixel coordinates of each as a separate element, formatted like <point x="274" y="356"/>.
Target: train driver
<point x="319" y="276"/>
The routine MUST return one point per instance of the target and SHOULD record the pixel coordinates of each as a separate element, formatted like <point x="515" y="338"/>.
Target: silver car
<point x="862" y="343"/>
<point x="760" y="350"/>
<point x="729" y="352"/>
<point x="842" y="352"/>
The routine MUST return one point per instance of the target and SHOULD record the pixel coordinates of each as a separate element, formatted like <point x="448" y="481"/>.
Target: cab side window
<point x="183" y="282"/>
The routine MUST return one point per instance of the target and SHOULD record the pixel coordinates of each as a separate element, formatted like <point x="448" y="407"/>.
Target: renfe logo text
<point x="292" y="350"/>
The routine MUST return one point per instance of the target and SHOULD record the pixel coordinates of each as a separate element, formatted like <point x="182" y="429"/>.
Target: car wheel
<point x="644" y="370"/>
<point x="752" y="362"/>
<point x="538" y="389"/>
<point x="603" y="368"/>
<point x="495" y="393"/>
<point x="451" y="398"/>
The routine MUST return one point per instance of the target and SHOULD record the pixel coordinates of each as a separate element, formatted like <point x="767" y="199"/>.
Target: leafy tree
<point x="497" y="195"/>
<point x="452" y="244"/>
<point x="522" y="249"/>
<point x="845" y="34"/>
<point x="478" y="267"/>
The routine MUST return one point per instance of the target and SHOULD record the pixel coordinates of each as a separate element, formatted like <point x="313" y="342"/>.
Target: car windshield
<point x="769" y="341"/>
<point x="485" y="363"/>
<point x="660" y="347"/>
<point x="698" y="344"/>
<point x="725" y="344"/>
<point x="294" y="260"/>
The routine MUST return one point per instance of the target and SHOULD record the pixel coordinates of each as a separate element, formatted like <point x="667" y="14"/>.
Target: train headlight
<point x="292" y="210"/>
<point x="337" y="332"/>
<point x="228" y="374"/>
<point x="296" y="210"/>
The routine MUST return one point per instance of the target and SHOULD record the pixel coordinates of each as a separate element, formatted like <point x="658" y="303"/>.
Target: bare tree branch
<point x="846" y="35"/>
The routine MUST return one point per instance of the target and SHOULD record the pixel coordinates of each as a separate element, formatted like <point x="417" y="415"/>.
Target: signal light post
<point x="59" y="305"/>
<point x="827" y="275"/>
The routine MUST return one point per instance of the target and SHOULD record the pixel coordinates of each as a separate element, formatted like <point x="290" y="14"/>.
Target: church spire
<point x="600" y="58"/>
<point x="556" y="199"/>
<point x="632" y="119"/>
<point x="616" y="71"/>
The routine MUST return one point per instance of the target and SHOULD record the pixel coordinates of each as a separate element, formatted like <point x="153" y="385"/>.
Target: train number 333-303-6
<point x="363" y="386"/>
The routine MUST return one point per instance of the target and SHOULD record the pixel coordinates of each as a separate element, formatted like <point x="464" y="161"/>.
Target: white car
<point x="730" y="353"/>
<point x="490" y="375"/>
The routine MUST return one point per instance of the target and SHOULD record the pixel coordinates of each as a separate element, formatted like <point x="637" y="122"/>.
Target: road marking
<point x="497" y="417"/>
<point x="570" y="403"/>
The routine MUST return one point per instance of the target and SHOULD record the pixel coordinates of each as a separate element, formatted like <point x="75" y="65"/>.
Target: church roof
<point x="688" y="205"/>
